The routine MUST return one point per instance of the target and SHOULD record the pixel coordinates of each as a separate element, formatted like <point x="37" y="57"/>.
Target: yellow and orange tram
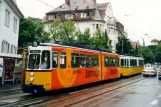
<point x="52" y="66"/>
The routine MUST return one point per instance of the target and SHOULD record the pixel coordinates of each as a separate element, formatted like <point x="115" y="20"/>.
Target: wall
<point x="7" y="33"/>
<point x="83" y="25"/>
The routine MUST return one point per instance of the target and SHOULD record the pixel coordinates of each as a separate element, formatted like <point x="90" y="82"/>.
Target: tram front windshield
<point x="34" y="61"/>
<point x="39" y="60"/>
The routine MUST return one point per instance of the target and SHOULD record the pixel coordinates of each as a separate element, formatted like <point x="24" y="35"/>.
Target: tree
<point x="31" y="30"/>
<point x="85" y="38"/>
<point x="147" y="54"/>
<point x="124" y="46"/>
<point x="158" y="53"/>
<point x="100" y="40"/>
<point x="63" y="31"/>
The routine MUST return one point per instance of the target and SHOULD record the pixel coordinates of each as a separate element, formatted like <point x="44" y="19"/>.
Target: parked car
<point x="149" y="71"/>
<point x="159" y="73"/>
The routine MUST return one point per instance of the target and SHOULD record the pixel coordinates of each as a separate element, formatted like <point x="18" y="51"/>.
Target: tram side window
<point x="95" y="61"/>
<point x="122" y="62"/>
<point x="83" y="61"/>
<point x="89" y="61"/>
<point x="106" y="62"/>
<point x="45" y="60"/>
<point x="133" y="62"/>
<point x="75" y="60"/>
<point x="63" y="60"/>
<point x="55" y="60"/>
<point x="110" y="62"/>
<point x="117" y="62"/>
<point x="141" y="62"/>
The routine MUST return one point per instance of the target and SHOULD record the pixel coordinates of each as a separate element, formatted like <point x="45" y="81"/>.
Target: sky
<point x="141" y="18"/>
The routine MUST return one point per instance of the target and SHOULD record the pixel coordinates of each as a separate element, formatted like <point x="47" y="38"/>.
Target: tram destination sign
<point x="35" y="51"/>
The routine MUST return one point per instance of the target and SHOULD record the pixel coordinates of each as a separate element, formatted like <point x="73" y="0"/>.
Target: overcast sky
<point x="144" y="18"/>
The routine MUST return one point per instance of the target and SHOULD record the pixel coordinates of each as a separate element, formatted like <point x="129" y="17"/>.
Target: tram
<point x="52" y="66"/>
<point x="131" y="65"/>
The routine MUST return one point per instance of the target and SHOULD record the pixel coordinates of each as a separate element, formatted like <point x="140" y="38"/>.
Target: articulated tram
<point x="52" y="66"/>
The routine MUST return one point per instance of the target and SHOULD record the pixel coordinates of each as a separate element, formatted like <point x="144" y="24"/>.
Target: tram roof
<point x="79" y="46"/>
<point x="128" y="56"/>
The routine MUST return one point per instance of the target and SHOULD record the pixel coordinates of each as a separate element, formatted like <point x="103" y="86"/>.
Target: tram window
<point x="125" y="63"/>
<point x="63" y="60"/>
<point x="106" y="62"/>
<point x="122" y="62"/>
<point x="117" y="62"/>
<point x="141" y="62"/>
<point x="55" y="60"/>
<point x="75" y="60"/>
<point x="95" y="61"/>
<point x="45" y="60"/>
<point x="133" y="62"/>
<point x="83" y="61"/>
<point x="89" y="61"/>
<point x="110" y="62"/>
<point x="34" y="61"/>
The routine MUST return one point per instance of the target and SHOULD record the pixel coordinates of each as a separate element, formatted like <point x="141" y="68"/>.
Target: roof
<point x="155" y="40"/>
<point x="75" y="5"/>
<point x="102" y="6"/>
<point x="74" y="45"/>
<point x="15" y="8"/>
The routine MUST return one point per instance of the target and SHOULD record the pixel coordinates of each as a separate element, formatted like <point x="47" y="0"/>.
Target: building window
<point x="2" y="47"/>
<point x="84" y="14"/>
<point x="7" y="18"/>
<point x="15" y="25"/>
<point x="97" y="26"/>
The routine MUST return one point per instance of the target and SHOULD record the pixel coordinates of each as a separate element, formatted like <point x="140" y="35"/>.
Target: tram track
<point x="60" y="98"/>
<point x="78" y="98"/>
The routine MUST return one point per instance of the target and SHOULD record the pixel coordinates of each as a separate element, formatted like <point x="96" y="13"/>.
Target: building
<point x="134" y="44"/>
<point x="9" y="31"/>
<point x="154" y="42"/>
<point x="88" y="14"/>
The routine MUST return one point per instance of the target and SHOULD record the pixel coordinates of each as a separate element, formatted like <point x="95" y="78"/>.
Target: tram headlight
<point x="32" y="74"/>
<point x="31" y="79"/>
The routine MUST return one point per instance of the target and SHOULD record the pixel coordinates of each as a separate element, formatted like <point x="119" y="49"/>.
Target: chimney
<point x="94" y="1"/>
<point x="67" y="2"/>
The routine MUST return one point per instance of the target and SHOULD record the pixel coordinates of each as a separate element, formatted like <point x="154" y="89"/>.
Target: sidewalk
<point x="10" y="87"/>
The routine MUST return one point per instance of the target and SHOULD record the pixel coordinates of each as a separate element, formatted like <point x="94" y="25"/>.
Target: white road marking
<point x="154" y="102"/>
<point x="77" y="91"/>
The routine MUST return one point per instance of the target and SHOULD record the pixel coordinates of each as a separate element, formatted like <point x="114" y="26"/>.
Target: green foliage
<point x="31" y="30"/>
<point x="85" y="38"/>
<point x="147" y="54"/>
<point x="158" y="53"/>
<point x="60" y="31"/>
<point x="124" y="46"/>
<point x="100" y="40"/>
